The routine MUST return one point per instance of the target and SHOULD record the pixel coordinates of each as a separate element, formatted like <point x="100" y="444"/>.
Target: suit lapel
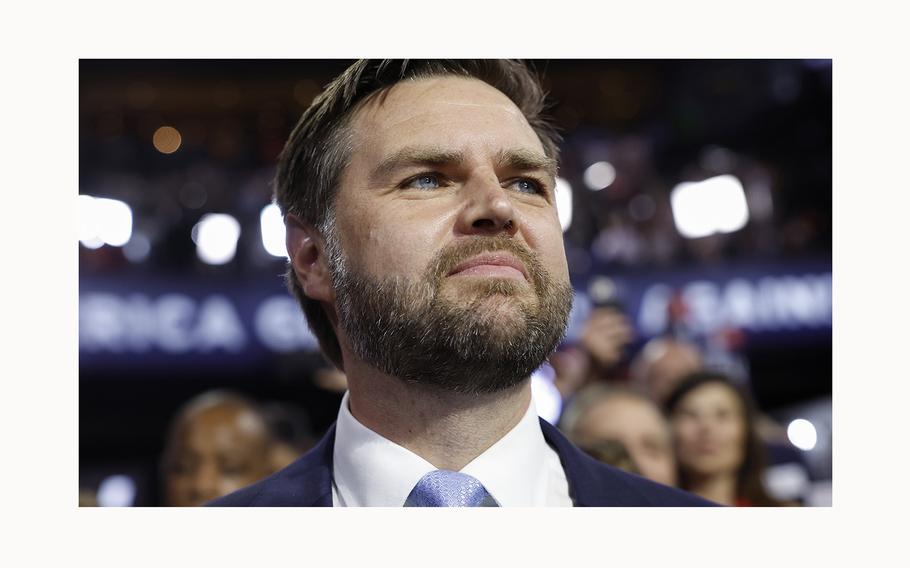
<point x="321" y="496"/>
<point x="306" y="482"/>
<point x="590" y="482"/>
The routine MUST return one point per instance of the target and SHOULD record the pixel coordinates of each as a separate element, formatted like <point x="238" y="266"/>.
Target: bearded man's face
<point x="447" y="256"/>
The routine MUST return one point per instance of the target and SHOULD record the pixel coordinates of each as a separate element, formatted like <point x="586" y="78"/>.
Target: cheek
<point x="232" y="480"/>
<point x="733" y="432"/>
<point x="544" y="235"/>
<point x="553" y="258"/>
<point x="397" y="253"/>
<point x="738" y="437"/>
<point x="684" y="432"/>
<point x="732" y="436"/>
<point x="392" y="240"/>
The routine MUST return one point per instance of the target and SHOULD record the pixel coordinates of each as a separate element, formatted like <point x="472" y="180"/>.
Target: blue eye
<point x="527" y="186"/>
<point x="424" y="181"/>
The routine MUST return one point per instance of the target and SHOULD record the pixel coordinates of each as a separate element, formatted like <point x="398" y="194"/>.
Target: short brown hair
<point x="318" y="149"/>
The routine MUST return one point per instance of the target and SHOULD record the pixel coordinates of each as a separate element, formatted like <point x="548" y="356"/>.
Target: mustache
<point x="454" y="254"/>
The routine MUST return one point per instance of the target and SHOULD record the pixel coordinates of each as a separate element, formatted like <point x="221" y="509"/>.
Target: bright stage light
<point x="802" y="434"/>
<point x="115" y="221"/>
<point x="103" y="221"/>
<point x="564" y="203"/>
<point x="216" y="236"/>
<point x="599" y="175"/>
<point x="85" y="217"/>
<point x="272" y="227"/>
<point x="117" y="491"/>
<point x="547" y="398"/>
<point x="715" y="205"/>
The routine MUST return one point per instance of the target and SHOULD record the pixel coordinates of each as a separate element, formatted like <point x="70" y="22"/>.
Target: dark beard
<point x="406" y="329"/>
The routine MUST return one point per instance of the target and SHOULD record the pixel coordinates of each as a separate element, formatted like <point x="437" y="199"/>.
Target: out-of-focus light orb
<point x="167" y="139"/>
<point x="599" y="175"/>
<point x="547" y="399"/>
<point x="564" y="203"/>
<point x="115" y="221"/>
<point x="601" y="289"/>
<point x="802" y="434"/>
<point x="92" y="243"/>
<point x="116" y="491"/>
<point x="103" y="221"/>
<point x="85" y="216"/>
<point x="138" y="249"/>
<point x="715" y="205"/>
<point x="216" y="236"/>
<point x="272" y="227"/>
<point x="85" y="219"/>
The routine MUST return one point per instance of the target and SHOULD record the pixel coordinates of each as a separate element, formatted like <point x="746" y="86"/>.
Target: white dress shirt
<point x="521" y="469"/>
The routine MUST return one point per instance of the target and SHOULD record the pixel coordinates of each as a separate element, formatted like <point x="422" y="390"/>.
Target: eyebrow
<point x="516" y="159"/>
<point x="414" y="155"/>
<point x="522" y="159"/>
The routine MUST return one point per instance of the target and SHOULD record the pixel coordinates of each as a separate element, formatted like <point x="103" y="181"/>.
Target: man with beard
<point x="427" y="255"/>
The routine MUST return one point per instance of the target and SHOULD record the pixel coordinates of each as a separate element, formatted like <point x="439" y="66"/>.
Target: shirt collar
<point x="372" y="471"/>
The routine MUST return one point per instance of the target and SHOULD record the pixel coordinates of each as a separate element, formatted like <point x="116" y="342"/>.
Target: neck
<point x="447" y="429"/>
<point x="720" y="488"/>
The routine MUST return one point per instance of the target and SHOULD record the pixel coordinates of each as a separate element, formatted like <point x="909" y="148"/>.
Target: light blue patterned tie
<point x="444" y="488"/>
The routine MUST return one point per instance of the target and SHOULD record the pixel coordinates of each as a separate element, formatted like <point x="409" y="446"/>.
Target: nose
<point x="705" y="427"/>
<point x="488" y="210"/>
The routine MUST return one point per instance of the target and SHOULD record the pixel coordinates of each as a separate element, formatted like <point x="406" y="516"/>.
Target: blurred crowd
<point x="663" y="413"/>
<point x="669" y="415"/>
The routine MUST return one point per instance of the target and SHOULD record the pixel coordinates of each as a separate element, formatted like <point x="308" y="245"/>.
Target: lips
<point x="499" y="264"/>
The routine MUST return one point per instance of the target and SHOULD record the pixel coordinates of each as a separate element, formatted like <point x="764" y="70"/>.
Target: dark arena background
<point x="695" y="197"/>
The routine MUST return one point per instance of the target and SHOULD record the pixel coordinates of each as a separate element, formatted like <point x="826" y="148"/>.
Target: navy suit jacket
<point x="308" y="481"/>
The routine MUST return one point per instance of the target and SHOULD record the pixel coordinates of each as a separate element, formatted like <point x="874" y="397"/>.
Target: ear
<point x="306" y="250"/>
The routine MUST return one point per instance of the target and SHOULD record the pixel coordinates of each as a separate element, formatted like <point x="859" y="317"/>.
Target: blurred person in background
<point x="598" y="353"/>
<point x="612" y="452"/>
<point x="665" y="361"/>
<point x="331" y="379"/>
<point x="427" y="255"/>
<point x="600" y="414"/>
<point x="661" y="364"/>
<point x="719" y="454"/>
<point x="219" y="441"/>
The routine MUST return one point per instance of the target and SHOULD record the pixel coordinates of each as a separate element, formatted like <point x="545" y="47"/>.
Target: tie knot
<point x="443" y="488"/>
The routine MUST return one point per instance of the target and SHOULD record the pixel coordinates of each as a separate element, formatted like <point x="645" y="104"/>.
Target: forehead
<point x="220" y="426"/>
<point x="715" y="394"/>
<point x="626" y="413"/>
<point x="457" y="112"/>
